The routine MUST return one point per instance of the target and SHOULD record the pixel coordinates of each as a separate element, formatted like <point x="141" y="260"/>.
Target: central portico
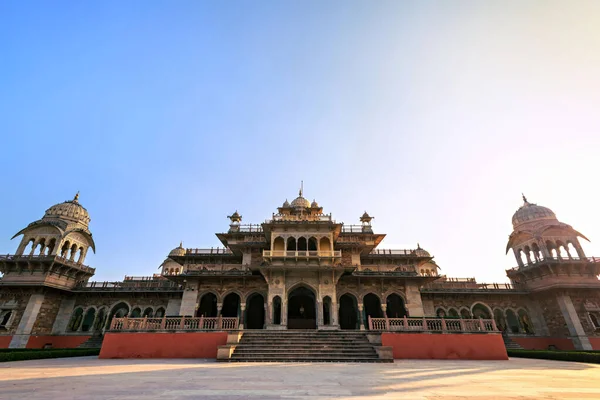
<point x="300" y="269"/>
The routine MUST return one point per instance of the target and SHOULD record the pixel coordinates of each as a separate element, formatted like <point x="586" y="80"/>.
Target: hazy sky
<point x="431" y="116"/>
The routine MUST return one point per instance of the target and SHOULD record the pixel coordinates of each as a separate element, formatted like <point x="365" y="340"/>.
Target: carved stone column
<point x="242" y="313"/>
<point x="361" y="317"/>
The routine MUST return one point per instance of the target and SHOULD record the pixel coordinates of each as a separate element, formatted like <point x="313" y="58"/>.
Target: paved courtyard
<point x="90" y="378"/>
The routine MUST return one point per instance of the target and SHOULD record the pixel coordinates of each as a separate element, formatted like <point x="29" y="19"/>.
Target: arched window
<point x="512" y="321"/>
<point x="277" y="310"/>
<point x="395" y="306"/>
<point x="64" y="250"/>
<point x="327" y="310"/>
<point x="481" y="311"/>
<point x="324" y="244"/>
<point x="465" y="314"/>
<point x="452" y="313"/>
<point x="231" y="305"/>
<point x="80" y="255"/>
<point x="537" y="252"/>
<point x="440" y="312"/>
<point x="28" y="247"/>
<point x="41" y="246"/>
<point x="291" y="244"/>
<point x="278" y="244"/>
<point x="75" y="321"/>
<point x="148" y="312"/>
<point x="51" y="246"/>
<point x="73" y="252"/>
<point x="136" y="313"/>
<point x="525" y="322"/>
<point x="160" y="312"/>
<point x="302" y="245"/>
<point x="499" y="318"/>
<point x="5" y="318"/>
<point x="312" y="244"/>
<point x="100" y="320"/>
<point x="119" y="311"/>
<point x="208" y="306"/>
<point x="88" y="320"/>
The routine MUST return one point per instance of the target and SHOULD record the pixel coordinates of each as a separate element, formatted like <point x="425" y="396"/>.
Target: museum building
<point x="300" y="270"/>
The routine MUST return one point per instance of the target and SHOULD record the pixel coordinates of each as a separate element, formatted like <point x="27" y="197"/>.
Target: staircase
<point x="305" y="346"/>
<point x="95" y="342"/>
<point x="509" y="344"/>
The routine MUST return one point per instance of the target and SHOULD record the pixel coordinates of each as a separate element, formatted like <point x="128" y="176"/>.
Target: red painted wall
<point x="446" y="346"/>
<point x="595" y="343"/>
<point x="162" y="345"/>
<point x="5" y="341"/>
<point x="542" y="343"/>
<point x="57" y="341"/>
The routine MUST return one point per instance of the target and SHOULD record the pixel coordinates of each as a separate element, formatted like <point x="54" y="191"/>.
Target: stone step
<point x="300" y="351"/>
<point x="311" y="359"/>
<point x="299" y="346"/>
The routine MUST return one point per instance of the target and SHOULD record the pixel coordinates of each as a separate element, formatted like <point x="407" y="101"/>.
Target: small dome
<point x="178" y="251"/>
<point x="300" y="202"/>
<point x="531" y="212"/>
<point x="314" y="204"/>
<point x="286" y="204"/>
<point x="70" y="210"/>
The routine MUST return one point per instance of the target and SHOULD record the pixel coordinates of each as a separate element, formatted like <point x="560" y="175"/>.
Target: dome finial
<point x="76" y="198"/>
<point x="524" y="198"/>
<point x="181" y="244"/>
<point x="301" y="188"/>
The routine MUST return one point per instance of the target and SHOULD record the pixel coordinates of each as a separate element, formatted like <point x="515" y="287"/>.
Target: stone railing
<point x="301" y="254"/>
<point x="554" y="260"/>
<point x="48" y="258"/>
<point x="433" y="325"/>
<point x="174" y="324"/>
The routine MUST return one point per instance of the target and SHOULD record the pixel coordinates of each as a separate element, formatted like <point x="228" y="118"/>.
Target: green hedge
<point x="37" y="354"/>
<point x="580" y="356"/>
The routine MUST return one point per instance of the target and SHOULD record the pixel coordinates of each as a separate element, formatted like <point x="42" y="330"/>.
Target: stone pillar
<point x="242" y="312"/>
<point x="21" y="335"/>
<point x="246" y="258"/>
<point x="173" y="307"/>
<point x="578" y="336"/>
<point x="319" y="305"/>
<point x="414" y="304"/>
<point x="219" y="309"/>
<point x="63" y="316"/>
<point x="361" y="316"/>
<point x="189" y="301"/>
<point x="384" y="310"/>
<point x="536" y="316"/>
<point x="335" y="313"/>
<point x="284" y="312"/>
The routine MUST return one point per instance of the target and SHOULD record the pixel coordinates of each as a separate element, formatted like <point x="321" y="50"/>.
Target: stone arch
<point x="88" y="319"/>
<point x="302" y="244"/>
<point x="465" y="313"/>
<point x="395" y="306"/>
<point x="231" y="304"/>
<point x="302" y="306"/>
<point x="372" y="306"/>
<point x="291" y="244"/>
<point x="136" y="312"/>
<point x="348" y="316"/>
<point x="100" y="321"/>
<point x="64" y="249"/>
<point x="440" y="312"/>
<point x="255" y="311"/>
<point x="208" y="305"/>
<point x="313" y="244"/>
<point x="525" y="321"/>
<point x="148" y="312"/>
<point x="500" y="319"/>
<point x="119" y="310"/>
<point x="160" y="312"/>
<point x="278" y="244"/>
<point x="28" y="247"/>
<point x="481" y="310"/>
<point x="76" y="318"/>
<point x="452" y="313"/>
<point x="324" y="244"/>
<point x="277" y="310"/>
<point x="512" y="321"/>
<point x="326" y="310"/>
<point x="51" y="246"/>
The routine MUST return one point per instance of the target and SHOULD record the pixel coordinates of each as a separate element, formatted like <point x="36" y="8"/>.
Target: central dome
<point x="529" y="212"/>
<point x="300" y="202"/>
<point x="70" y="210"/>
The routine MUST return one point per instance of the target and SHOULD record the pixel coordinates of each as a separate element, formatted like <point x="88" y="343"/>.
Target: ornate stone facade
<point x="300" y="269"/>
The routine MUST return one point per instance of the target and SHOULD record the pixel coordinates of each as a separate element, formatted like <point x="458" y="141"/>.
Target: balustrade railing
<point x="564" y="259"/>
<point x="174" y="324"/>
<point x="212" y="250"/>
<point x="433" y="325"/>
<point x="309" y="254"/>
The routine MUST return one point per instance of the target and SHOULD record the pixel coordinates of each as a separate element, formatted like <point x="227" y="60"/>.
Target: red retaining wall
<point x="162" y="345"/>
<point x="56" y="341"/>
<point x="446" y="346"/>
<point x="5" y="341"/>
<point x="542" y="343"/>
<point x="595" y="343"/>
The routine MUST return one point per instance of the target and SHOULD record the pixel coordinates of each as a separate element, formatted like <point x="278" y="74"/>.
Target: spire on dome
<point x="76" y="198"/>
<point x="524" y="198"/>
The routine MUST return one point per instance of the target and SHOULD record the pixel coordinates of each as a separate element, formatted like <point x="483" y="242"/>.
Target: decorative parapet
<point x="173" y="324"/>
<point x="438" y="325"/>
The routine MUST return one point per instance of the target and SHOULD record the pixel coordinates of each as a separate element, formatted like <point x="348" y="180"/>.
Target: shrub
<point x="580" y="356"/>
<point x="37" y="354"/>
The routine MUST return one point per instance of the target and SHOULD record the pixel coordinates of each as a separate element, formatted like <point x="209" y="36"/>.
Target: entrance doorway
<point x="301" y="309"/>
<point x="231" y="305"/>
<point x="395" y="306"/>
<point x="208" y="306"/>
<point x="348" y="312"/>
<point x="372" y="307"/>
<point x="255" y="311"/>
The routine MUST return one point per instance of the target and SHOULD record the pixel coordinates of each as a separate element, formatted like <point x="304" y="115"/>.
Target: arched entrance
<point x="118" y="311"/>
<point x="372" y="307"/>
<point x="276" y="310"/>
<point x="348" y="312"/>
<point x="395" y="306"/>
<point x="231" y="305"/>
<point x="255" y="311"/>
<point x="301" y="309"/>
<point x="208" y="306"/>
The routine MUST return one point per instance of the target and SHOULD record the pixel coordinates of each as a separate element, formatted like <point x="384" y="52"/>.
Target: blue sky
<point x="432" y="116"/>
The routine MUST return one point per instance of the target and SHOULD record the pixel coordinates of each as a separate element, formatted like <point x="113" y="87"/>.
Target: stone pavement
<point x="89" y="378"/>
